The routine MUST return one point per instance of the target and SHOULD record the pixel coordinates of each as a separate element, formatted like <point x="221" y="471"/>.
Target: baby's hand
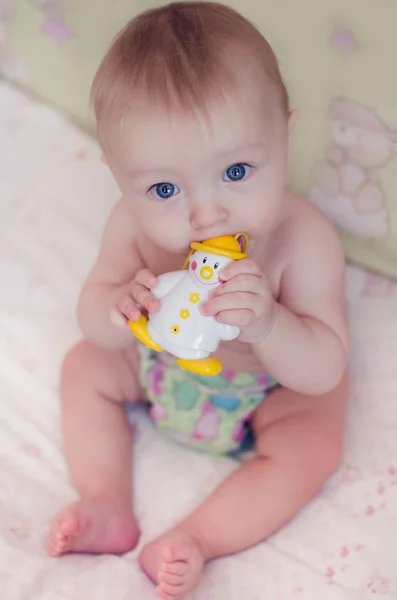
<point x="245" y="300"/>
<point x="133" y="297"/>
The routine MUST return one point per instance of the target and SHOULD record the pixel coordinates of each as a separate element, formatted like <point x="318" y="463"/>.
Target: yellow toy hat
<point x="224" y="245"/>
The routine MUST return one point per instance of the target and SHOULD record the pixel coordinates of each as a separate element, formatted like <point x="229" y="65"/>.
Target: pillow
<point x="337" y="65"/>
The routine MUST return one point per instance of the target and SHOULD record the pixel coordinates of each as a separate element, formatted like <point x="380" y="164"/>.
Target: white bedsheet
<point x="54" y="196"/>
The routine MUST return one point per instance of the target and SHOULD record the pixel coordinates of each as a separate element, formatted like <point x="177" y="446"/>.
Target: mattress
<point x="55" y="193"/>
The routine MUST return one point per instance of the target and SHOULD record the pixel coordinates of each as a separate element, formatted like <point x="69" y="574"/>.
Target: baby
<point x="194" y="122"/>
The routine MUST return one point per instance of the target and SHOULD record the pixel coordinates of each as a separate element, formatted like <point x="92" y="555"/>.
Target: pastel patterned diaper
<point x="207" y="413"/>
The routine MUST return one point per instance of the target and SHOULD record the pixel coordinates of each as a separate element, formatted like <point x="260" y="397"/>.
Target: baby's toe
<point x="53" y="548"/>
<point x="169" y="592"/>
<point x="57" y="545"/>
<point x="170" y="579"/>
<point x="175" y="568"/>
<point x="56" y="539"/>
<point x="69" y="526"/>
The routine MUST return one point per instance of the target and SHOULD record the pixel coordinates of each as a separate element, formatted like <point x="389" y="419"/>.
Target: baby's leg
<point x="299" y="444"/>
<point x="97" y="442"/>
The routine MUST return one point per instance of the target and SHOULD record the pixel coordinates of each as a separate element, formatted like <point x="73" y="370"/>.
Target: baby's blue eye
<point x="163" y="190"/>
<point x="237" y="172"/>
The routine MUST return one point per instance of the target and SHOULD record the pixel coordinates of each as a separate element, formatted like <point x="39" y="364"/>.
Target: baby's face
<point x="191" y="177"/>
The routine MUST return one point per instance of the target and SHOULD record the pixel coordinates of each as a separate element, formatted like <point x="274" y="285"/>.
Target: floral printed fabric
<point x="211" y="414"/>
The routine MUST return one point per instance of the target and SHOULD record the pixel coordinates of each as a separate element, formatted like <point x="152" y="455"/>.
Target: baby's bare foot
<point x="174" y="561"/>
<point x="99" y="525"/>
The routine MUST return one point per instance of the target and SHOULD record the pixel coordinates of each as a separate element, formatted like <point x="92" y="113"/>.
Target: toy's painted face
<point x="204" y="268"/>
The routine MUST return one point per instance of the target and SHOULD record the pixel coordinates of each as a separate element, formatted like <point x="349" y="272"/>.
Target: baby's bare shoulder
<point x="313" y="281"/>
<point x="118" y="259"/>
<point x="306" y="229"/>
<point x="314" y="261"/>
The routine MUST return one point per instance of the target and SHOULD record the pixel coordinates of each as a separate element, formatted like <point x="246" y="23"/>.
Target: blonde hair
<point x="180" y="54"/>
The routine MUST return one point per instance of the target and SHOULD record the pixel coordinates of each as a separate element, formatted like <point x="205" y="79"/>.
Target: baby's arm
<point x="116" y="266"/>
<point x="307" y="347"/>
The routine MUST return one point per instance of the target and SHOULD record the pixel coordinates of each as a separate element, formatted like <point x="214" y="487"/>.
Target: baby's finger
<point x="239" y="318"/>
<point x="146" y="278"/>
<point x="234" y="300"/>
<point x="246" y="265"/>
<point x="242" y="283"/>
<point x="127" y="308"/>
<point x="145" y="298"/>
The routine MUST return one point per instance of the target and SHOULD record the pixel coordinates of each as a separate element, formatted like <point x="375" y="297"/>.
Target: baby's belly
<point x="239" y="357"/>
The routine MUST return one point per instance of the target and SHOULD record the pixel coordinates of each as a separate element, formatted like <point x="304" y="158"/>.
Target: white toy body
<point x="178" y="326"/>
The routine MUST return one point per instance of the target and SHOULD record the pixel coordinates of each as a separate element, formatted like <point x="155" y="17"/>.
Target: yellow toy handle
<point x="243" y="235"/>
<point x="186" y="263"/>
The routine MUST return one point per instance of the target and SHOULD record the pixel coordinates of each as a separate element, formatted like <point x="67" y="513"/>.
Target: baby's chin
<point x="177" y="244"/>
<point x="181" y="245"/>
<point x="172" y="246"/>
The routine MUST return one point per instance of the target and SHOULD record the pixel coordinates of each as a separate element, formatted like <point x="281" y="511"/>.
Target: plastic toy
<point x="178" y="326"/>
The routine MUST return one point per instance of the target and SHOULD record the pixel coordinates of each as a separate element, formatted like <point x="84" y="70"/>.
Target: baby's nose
<point x="207" y="216"/>
<point x="206" y="272"/>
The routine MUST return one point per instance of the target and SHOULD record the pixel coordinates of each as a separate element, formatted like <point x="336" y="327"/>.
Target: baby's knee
<point x="312" y="458"/>
<point x="324" y="459"/>
<point x="80" y="360"/>
<point x="79" y="372"/>
<point x="320" y="459"/>
<point x="111" y="373"/>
